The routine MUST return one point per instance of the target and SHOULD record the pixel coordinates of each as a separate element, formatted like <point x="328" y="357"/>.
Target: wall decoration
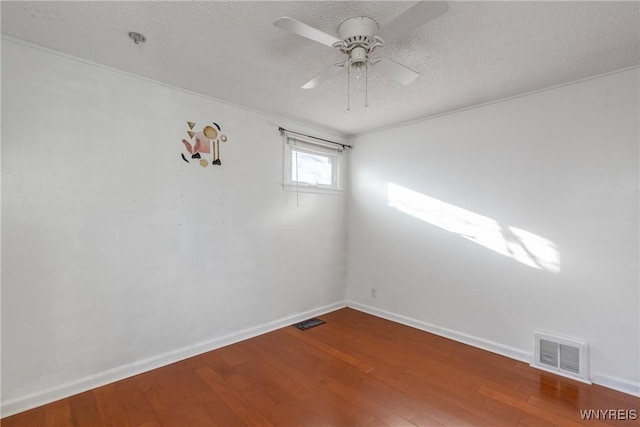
<point x="210" y="132"/>
<point x="206" y="141"/>
<point x="188" y="145"/>
<point x="203" y="143"/>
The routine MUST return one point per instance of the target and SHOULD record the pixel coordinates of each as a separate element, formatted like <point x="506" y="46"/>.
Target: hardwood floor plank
<point x="333" y="351"/>
<point x="34" y="417"/>
<point x="446" y="407"/>
<point x="84" y="410"/>
<point x="171" y="408"/>
<point x="301" y="371"/>
<point x="221" y="414"/>
<point x="236" y="401"/>
<point x="574" y="396"/>
<point x="376" y="423"/>
<point x="58" y="414"/>
<point x="110" y="409"/>
<point x="373" y="404"/>
<point x="289" y="395"/>
<point x="531" y="421"/>
<point x="420" y="419"/>
<point x="274" y="400"/>
<point x="530" y="409"/>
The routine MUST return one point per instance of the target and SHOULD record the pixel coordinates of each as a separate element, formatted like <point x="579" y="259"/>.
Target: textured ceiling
<point x="477" y="52"/>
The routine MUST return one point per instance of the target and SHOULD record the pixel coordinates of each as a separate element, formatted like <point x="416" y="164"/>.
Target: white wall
<point x="116" y="254"/>
<point x="562" y="164"/>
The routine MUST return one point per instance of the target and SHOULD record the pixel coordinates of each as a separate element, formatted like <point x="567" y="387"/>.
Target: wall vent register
<point x="563" y="356"/>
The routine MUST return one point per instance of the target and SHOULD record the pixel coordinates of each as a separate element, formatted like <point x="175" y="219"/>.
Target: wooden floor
<point x="354" y="370"/>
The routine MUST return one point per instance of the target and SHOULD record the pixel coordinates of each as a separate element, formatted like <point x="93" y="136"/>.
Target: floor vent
<point x="563" y="356"/>
<point x="308" y="324"/>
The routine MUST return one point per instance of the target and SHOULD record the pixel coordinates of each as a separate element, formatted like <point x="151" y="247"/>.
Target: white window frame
<point x="334" y="152"/>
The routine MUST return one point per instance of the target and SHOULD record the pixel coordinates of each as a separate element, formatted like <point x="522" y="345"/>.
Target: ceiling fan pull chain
<point x="348" y="85"/>
<point x="366" y="83"/>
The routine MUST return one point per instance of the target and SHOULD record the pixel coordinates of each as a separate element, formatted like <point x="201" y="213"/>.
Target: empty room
<point x="320" y="213"/>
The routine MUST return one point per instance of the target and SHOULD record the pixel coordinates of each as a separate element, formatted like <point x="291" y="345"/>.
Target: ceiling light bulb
<point x="359" y="68"/>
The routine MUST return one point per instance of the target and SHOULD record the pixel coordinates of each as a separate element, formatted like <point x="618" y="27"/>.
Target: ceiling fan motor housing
<point x="358" y="29"/>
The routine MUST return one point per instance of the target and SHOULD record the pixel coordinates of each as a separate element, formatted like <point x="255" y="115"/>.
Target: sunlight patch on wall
<point x="520" y="245"/>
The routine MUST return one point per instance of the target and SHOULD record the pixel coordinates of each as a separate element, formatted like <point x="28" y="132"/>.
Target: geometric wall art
<point x="204" y="145"/>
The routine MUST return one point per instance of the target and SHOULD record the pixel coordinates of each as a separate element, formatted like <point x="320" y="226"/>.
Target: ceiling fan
<point x="360" y="36"/>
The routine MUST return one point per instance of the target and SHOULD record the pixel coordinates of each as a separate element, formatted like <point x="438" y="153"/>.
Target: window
<point x="312" y="166"/>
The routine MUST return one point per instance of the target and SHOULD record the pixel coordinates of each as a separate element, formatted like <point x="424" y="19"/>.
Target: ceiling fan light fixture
<point x="359" y="61"/>
<point x="358" y="69"/>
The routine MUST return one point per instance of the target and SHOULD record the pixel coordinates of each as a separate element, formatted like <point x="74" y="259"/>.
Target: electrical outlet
<point x="374" y="292"/>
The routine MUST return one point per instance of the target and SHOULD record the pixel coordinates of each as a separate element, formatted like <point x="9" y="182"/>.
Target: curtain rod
<point x="283" y="130"/>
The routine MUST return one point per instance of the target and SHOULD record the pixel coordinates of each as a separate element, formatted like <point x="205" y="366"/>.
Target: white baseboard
<point x="618" y="384"/>
<point x="560" y="373"/>
<point x="23" y="403"/>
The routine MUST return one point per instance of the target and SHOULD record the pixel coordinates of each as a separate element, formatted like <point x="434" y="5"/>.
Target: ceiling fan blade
<point x="322" y="77"/>
<point x="399" y="73"/>
<point x="412" y="18"/>
<point x="304" y="30"/>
